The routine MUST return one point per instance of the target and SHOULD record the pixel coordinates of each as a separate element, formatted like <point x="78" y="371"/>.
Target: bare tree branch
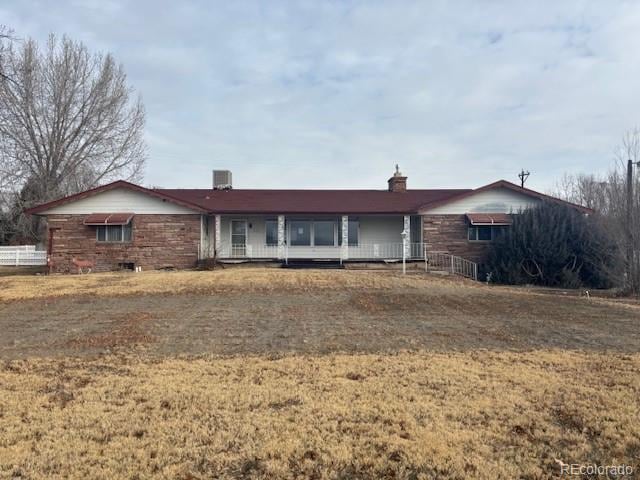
<point x="6" y="37"/>
<point x="68" y="121"/>
<point x="607" y="195"/>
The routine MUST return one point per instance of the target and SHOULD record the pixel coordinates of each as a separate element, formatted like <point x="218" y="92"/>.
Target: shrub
<point x="555" y="245"/>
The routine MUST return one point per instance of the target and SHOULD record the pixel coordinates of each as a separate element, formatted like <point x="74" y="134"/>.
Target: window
<point x="300" y="233"/>
<point x="323" y="233"/>
<point x="271" y="227"/>
<point x="484" y="233"/>
<point x="416" y="229"/>
<point x="354" y="226"/>
<point x="114" y="233"/>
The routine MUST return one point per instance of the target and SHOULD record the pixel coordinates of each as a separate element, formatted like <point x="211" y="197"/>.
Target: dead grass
<point x="126" y="331"/>
<point x="455" y="415"/>
<point x="6" y="271"/>
<point x="219" y="281"/>
<point x="256" y="279"/>
<point x="412" y="415"/>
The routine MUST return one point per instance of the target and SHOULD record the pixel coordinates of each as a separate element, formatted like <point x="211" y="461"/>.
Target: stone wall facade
<point x="448" y="234"/>
<point x="161" y="241"/>
<point x="157" y="241"/>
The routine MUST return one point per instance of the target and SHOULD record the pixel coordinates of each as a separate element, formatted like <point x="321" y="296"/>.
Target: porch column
<point x="281" y="235"/>
<point x="202" y="246"/>
<point x="344" y="253"/>
<point x="211" y="235"/>
<point x="407" y="229"/>
<point x="218" y="239"/>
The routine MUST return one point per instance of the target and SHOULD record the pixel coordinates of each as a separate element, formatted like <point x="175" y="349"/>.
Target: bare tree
<point x="629" y="151"/>
<point x="607" y="196"/>
<point x="6" y="37"/>
<point x="68" y="122"/>
<point x="588" y="190"/>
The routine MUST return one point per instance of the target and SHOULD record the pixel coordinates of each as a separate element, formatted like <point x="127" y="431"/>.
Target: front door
<point x="238" y="238"/>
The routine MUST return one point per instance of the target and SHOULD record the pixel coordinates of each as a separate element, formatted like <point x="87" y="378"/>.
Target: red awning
<point x="108" y="219"/>
<point x="489" y="218"/>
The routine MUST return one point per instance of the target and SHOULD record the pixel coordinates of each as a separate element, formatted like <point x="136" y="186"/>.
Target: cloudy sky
<point x="334" y="93"/>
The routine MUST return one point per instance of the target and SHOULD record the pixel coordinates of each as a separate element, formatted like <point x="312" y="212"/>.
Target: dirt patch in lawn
<point x="377" y="316"/>
<point x="130" y="329"/>
<point x="382" y="302"/>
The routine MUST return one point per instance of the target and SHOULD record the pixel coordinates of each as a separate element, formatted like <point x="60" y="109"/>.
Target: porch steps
<point x="325" y="264"/>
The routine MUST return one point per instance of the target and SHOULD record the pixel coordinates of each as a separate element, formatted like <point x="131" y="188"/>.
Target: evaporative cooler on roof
<point x="222" y="180"/>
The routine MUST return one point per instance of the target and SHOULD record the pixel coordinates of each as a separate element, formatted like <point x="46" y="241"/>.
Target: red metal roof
<point x="108" y="218"/>
<point x="490" y="218"/>
<point x="301" y="201"/>
<point x="310" y="201"/>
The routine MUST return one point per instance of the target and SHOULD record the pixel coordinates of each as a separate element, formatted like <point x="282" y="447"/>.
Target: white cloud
<point x="333" y="94"/>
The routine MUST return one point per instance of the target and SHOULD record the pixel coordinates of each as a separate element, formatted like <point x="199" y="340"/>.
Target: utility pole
<point x="629" y="200"/>
<point x="523" y="177"/>
<point x="630" y="249"/>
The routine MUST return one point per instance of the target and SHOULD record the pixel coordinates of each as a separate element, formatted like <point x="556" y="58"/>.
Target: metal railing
<point x="452" y="264"/>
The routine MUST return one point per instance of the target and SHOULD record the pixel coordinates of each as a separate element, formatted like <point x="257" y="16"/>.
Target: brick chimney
<point x="397" y="183"/>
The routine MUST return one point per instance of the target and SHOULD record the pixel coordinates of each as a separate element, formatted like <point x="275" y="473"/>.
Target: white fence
<point x="22" y="255"/>
<point x="22" y="248"/>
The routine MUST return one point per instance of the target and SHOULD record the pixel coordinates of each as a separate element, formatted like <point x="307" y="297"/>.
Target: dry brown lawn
<point x="504" y="403"/>
<point x="218" y="281"/>
<point x="411" y="415"/>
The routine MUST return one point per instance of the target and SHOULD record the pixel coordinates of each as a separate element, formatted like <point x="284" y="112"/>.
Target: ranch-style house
<point x="123" y="225"/>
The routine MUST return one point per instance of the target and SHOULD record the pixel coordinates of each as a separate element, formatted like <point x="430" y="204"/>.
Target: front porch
<point x="282" y="237"/>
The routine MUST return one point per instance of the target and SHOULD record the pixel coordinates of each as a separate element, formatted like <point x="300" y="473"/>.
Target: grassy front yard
<point x="298" y="374"/>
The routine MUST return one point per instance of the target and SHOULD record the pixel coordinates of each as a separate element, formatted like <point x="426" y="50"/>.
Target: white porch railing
<point x="23" y="255"/>
<point x="374" y="251"/>
<point x="248" y="252"/>
<point x="386" y="251"/>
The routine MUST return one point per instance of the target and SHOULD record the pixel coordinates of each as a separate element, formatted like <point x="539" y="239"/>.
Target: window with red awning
<point x="108" y="219"/>
<point x="489" y="218"/>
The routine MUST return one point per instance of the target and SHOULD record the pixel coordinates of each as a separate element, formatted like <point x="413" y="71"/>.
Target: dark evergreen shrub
<point x="557" y="246"/>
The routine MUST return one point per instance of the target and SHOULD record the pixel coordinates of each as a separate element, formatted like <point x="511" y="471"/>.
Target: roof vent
<point x="222" y="180"/>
